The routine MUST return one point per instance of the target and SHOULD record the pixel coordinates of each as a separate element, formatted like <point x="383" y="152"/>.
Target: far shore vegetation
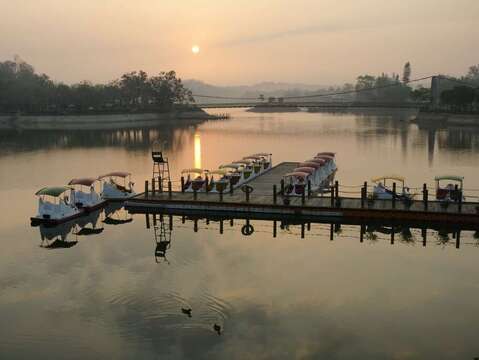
<point x="22" y="90"/>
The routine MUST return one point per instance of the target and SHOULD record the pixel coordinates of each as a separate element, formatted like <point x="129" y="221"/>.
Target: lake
<point x="119" y="292"/>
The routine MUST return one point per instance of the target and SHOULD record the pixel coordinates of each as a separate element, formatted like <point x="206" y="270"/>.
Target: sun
<point x="195" y="49"/>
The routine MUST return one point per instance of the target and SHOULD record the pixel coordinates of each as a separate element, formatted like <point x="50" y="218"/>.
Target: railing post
<point x="146" y="188"/>
<point x="336" y="190"/>
<point x="365" y="190"/>
<point x="206" y="183"/>
<point x="274" y="194"/>
<point x="221" y="195"/>
<point x="332" y="196"/>
<point x="182" y="184"/>
<point x="362" y="197"/>
<point x="394" y="195"/>
<point x="459" y="206"/>
<point x="309" y="188"/>
<point x="160" y="185"/>
<point x="425" y="196"/>
<point x="282" y="187"/>
<point x="153" y="186"/>
<point x="169" y="189"/>
<point x="247" y="194"/>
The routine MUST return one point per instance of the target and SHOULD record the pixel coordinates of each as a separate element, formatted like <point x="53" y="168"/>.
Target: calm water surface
<point x="109" y="296"/>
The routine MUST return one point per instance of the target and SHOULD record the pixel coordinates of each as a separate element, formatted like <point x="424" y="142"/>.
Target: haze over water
<point x="282" y="297"/>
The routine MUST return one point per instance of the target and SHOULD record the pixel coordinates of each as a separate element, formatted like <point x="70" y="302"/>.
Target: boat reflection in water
<point x="57" y="237"/>
<point x="411" y="233"/>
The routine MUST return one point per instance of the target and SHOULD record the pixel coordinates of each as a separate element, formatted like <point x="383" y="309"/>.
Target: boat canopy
<point x="326" y="153"/>
<point x="310" y="164"/>
<point x="82" y="181"/>
<point x="243" y="161"/>
<point x="55" y="191"/>
<point x="253" y="157"/>
<point x="325" y="157"/>
<point x="306" y="169"/>
<point x="298" y="174"/>
<point x="317" y="161"/>
<point x="389" y="177"/>
<point x="122" y="174"/>
<point x="449" y="177"/>
<point x="218" y="172"/>
<point x="262" y="154"/>
<point x="192" y="171"/>
<point x="231" y="166"/>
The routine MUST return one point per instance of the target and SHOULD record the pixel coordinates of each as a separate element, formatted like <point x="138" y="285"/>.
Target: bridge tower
<point x="435" y="92"/>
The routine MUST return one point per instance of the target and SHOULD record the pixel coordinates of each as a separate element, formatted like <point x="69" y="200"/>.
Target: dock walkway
<point x="261" y="202"/>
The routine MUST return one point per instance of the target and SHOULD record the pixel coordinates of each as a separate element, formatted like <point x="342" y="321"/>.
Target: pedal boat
<point x="384" y="191"/>
<point x="267" y="160"/>
<point x="116" y="185"/>
<point x="235" y="173"/>
<point x="195" y="180"/>
<point x="295" y="183"/>
<point x="247" y="170"/>
<point x="86" y="197"/>
<point x="56" y="205"/>
<point x="257" y="162"/>
<point x="221" y="183"/>
<point x="453" y="191"/>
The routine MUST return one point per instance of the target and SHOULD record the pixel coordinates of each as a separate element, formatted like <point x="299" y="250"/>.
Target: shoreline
<point x="103" y="121"/>
<point x="445" y="118"/>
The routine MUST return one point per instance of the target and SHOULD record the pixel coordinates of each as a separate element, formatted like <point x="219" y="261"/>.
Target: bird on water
<point x="186" y="311"/>
<point x="217" y="328"/>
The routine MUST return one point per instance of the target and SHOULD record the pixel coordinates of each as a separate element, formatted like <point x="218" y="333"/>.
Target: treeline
<point x="23" y="90"/>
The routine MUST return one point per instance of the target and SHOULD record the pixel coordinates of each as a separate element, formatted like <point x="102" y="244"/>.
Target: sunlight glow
<point x="195" y="49"/>
<point x="197" y="151"/>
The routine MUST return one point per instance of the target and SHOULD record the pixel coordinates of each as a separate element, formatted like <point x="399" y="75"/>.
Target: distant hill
<point x="276" y="89"/>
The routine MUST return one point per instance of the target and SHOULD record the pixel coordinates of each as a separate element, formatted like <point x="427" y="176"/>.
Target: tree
<point x="458" y="98"/>
<point x="406" y="77"/>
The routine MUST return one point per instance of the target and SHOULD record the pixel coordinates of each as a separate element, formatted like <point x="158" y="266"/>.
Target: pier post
<point x="394" y="195"/>
<point x="309" y="188"/>
<point x="183" y="219"/>
<point x="425" y="196"/>
<point x="361" y="233"/>
<point x="247" y="194"/>
<point x="153" y="190"/>
<point x="424" y="236"/>
<point x="221" y="226"/>
<point x="221" y="195"/>
<point x="458" y="239"/>
<point x="332" y="196"/>
<point x="160" y="185"/>
<point x="169" y="189"/>
<point x="331" y="232"/>
<point x="459" y="206"/>
<point x="195" y="194"/>
<point x="282" y="187"/>
<point x="206" y="184"/>
<point x="365" y="190"/>
<point x="302" y="230"/>
<point x="231" y="186"/>
<point x="308" y="227"/>
<point x="363" y="197"/>
<point x="146" y="188"/>
<point x="232" y="222"/>
<point x="182" y="184"/>
<point x="171" y="222"/>
<point x="336" y="195"/>
<point x="303" y="198"/>
<point x="147" y="220"/>
<point x="195" y="226"/>
<point x="392" y="235"/>
<point x="275" y="228"/>
<point x="274" y="194"/>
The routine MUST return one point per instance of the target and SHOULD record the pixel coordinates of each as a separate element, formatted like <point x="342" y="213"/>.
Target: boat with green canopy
<point x="56" y="205"/>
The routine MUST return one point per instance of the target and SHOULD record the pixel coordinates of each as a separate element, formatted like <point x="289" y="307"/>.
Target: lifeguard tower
<point x="161" y="167"/>
<point x="162" y="239"/>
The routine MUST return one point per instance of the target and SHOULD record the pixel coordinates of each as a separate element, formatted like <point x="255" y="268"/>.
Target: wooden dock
<point x="263" y="203"/>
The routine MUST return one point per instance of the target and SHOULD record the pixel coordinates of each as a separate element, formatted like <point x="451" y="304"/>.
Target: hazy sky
<point x="241" y="41"/>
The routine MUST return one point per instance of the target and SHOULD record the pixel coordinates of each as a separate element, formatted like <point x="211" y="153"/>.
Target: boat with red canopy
<point x="116" y="185"/>
<point x="295" y="182"/>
